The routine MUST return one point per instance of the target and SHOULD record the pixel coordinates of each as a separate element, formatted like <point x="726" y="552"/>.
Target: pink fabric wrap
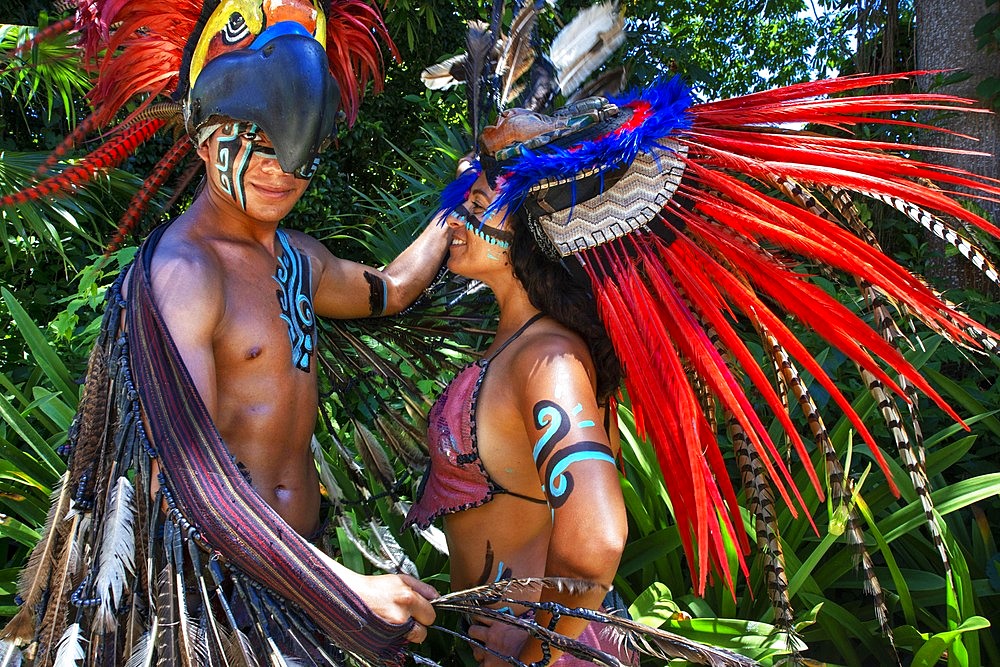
<point x="600" y="637"/>
<point x="456" y="479"/>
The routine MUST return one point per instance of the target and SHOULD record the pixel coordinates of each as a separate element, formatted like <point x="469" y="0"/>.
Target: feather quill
<point x="34" y="578"/>
<point x="517" y="52"/>
<point x="479" y="43"/>
<point x="239" y="653"/>
<point x="446" y="74"/>
<point x="70" y="651"/>
<point x="60" y="587"/>
<point x="166" y="619"/>
<point x="142" y="654"/>
<point x="116" y="554"/>
<point x="374" y="455"/>
<point x="585" y="44"/>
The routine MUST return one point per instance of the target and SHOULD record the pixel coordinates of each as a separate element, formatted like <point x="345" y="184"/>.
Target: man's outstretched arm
<point x="348" y="289"/>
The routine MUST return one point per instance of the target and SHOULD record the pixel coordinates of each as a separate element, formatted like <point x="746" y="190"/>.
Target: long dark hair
<point x="565" y="297"/>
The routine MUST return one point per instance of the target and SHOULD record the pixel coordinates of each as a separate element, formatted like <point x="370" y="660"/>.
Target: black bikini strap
<point x="534" y="318"/>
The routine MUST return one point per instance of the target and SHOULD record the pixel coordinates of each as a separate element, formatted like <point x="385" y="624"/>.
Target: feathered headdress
<point x="693" y="222"/>
<point x="172" y="64"/>
<point x="504" y="68"/>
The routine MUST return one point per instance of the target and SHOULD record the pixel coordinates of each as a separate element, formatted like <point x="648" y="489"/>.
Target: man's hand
<point x="395" y="598"/>
<point x="502" y="637"/>
<point x="398" y="597"/>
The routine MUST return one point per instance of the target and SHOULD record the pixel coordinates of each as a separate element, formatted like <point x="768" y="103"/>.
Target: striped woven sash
<point x="212" y="494"/>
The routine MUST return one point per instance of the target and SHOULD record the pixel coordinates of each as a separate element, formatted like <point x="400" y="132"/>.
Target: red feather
<point x="107" y="156"/>
<point x="85" y="127"/>
<point x="355" y="55"/>
<point x="150" y="186"/>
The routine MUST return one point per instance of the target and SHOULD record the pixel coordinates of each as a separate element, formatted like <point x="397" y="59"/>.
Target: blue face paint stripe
<point x="586" y="424"/>
<point x="239" y="171"/>
<point x="492" y="240"/>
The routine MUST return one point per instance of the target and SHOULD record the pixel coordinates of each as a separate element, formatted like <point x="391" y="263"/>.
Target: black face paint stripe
<point x="492" y="234"/>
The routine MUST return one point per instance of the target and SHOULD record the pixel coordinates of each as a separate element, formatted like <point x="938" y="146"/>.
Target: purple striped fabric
<point x="221" y="505"/>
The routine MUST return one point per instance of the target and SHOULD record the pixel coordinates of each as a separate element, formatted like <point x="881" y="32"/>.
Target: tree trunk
<point x="945" y="40"/>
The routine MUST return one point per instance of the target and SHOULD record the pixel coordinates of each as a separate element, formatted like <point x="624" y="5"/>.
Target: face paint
<point x="232" y="158"/>
<point x="235" y="148"/>
<point x="494" y="235"/>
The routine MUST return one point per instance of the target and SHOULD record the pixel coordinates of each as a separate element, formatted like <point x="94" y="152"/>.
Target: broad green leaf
<point x="935" y="647"/>
<point x="31" y="437"/>
<point x="42" y="351"/>
<point x="13" y="529"/>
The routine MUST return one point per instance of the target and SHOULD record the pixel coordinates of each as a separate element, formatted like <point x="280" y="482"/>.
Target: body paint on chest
<point x="294" y="277"/>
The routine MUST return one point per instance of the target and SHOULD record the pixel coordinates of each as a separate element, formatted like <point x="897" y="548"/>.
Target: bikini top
<point x="456" y="479"/>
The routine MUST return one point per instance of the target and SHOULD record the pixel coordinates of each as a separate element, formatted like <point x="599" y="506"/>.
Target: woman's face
<point x="478" y="246"/>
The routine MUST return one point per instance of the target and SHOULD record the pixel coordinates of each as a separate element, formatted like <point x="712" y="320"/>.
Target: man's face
<point x="243" y="169"/>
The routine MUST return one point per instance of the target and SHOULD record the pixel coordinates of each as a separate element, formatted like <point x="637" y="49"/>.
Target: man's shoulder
<point x="303" y="241"/>
<point x="182" y="263"/>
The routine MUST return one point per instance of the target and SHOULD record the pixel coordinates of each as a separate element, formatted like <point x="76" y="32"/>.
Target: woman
<point x="522" y="469"/>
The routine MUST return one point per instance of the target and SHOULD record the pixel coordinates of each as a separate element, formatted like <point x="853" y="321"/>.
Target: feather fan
<point x="657" y="643"/>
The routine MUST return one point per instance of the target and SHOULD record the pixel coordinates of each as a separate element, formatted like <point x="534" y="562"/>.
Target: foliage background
<point x="377" y="187"/>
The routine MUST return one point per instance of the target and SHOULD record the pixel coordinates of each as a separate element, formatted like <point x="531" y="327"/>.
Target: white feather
<point x="70" y="651"/>
<point x="440" y="77"/>
<point x="10" y="655"/>
<point x="142" y="654"/>
<point x="325" y="474"/>
<point x="583" y="45"/>
<point x="117" y="556"/>
<point x="432" y="534"/>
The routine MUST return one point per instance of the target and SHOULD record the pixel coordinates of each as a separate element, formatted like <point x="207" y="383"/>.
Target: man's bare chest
<point x="267" y="323"/>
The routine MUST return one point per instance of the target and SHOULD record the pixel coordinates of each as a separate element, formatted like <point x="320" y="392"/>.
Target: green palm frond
<point x="48" y="72"/>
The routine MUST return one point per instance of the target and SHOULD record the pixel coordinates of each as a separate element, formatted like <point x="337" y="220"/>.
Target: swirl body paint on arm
<point x="556" y="422"/>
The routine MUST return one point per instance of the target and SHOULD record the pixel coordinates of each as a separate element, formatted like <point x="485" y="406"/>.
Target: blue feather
<point x="455" y="193"/>
<point x="668" y="103"/>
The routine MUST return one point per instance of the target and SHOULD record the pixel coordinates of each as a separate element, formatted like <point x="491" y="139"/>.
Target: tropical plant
<point x="394" y="169"/>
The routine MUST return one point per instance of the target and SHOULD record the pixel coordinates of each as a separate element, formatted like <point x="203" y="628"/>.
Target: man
<point x="179" y="533"/>
<point x="215" y="272"/>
